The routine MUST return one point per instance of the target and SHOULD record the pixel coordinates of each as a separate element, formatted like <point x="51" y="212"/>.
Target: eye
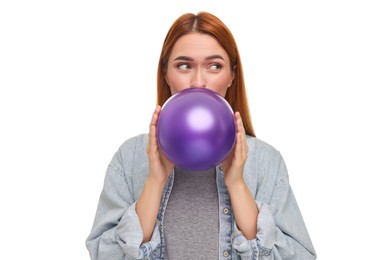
<point x="215" y="67"/>
<point x="183" y="66"/>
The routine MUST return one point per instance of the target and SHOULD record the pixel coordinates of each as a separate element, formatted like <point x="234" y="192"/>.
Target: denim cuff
<point x="129" y="235"/>
<point x="265" y="236"/>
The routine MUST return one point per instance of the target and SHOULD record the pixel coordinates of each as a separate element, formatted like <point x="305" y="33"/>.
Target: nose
<point x="198" y="79"/>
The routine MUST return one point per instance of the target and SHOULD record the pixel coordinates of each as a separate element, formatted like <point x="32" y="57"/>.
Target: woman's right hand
<point x="159" y="166"/>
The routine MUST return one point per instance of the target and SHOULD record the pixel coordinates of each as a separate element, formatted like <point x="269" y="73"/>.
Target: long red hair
<point x="207" y="23"/>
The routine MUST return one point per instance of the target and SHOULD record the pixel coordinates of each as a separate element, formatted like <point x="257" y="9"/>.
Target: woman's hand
<point x="159" y="166"/>
<point x="159" y="169"/>
<point x="243" y="203"/>
<point x="233" y="165"/>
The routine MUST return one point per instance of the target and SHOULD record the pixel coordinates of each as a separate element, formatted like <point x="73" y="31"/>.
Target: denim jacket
<point x="281" y="233"/>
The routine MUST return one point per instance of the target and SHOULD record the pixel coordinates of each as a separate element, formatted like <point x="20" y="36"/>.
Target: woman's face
<point x="197" y="60"/>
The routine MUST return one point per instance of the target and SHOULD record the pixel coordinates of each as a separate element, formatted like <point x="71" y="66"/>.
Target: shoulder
<point x="131" y="151"/>
<point x="130" y="163"/>
<point x="134" y="143"/>
<point x="263" y="158"/>
<point x="261" y="149"/>
<point x="263" y="168"/>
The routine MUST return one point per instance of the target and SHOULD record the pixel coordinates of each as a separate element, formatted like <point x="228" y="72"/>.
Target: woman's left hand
<point x="243" y="204"/>
<point x="233" y="165"/>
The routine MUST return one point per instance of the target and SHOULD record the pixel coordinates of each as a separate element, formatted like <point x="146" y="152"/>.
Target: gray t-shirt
<point x="191" y="226"/>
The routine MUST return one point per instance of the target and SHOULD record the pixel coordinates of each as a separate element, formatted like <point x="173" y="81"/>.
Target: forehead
<point x="197" y="45"/>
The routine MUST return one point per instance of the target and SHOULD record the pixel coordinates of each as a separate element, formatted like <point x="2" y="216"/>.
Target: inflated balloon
<point x="196" y="129"/>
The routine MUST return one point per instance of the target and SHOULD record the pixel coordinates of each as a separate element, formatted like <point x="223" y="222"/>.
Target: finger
<point x="241" y="127"/>
<point x="239" y="123"/>
<point x="241" y="137"/>
<point x="153" y="122"/>
<point x="238" y="150"/>
<point x="155" y="115"/>
<point x="152" y="137"/>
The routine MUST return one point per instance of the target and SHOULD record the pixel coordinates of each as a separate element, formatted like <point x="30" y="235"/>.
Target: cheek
<point x="220" y="85"/>
<point x="177" y="85"/>
<point x="177" y="82"/>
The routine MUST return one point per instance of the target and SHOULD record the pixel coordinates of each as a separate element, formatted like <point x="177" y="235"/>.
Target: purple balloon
<point x="196" y="129"/>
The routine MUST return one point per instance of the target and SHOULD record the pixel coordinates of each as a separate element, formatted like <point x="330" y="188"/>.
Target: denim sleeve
<point x="281" y="231"/>
<point x="129" y="236"/>
<point x="265" y="237"/>
<point x="116" y="233"/>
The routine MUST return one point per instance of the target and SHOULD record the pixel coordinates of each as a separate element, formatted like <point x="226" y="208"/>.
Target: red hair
<point x="207" y="23"/>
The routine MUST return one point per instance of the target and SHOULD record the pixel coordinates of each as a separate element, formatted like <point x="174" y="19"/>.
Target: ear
<point x="233" y="75"/>
<point x="166" y="80"/>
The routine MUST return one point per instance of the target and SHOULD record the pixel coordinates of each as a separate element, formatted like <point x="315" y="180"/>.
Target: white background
<point x="78" y="78"/>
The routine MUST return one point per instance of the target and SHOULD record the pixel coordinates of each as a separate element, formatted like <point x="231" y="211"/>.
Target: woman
<point x="241" y="209"/>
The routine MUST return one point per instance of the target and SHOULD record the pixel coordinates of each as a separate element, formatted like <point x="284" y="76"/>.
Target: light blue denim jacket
<point x="281" y="233"/>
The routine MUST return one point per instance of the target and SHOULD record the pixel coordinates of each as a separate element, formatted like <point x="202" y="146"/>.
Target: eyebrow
<point x="212" y="57"/>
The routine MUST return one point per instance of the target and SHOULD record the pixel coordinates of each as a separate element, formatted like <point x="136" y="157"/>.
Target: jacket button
<point x="226" y="211"/>
<point x="226" y="254"/>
